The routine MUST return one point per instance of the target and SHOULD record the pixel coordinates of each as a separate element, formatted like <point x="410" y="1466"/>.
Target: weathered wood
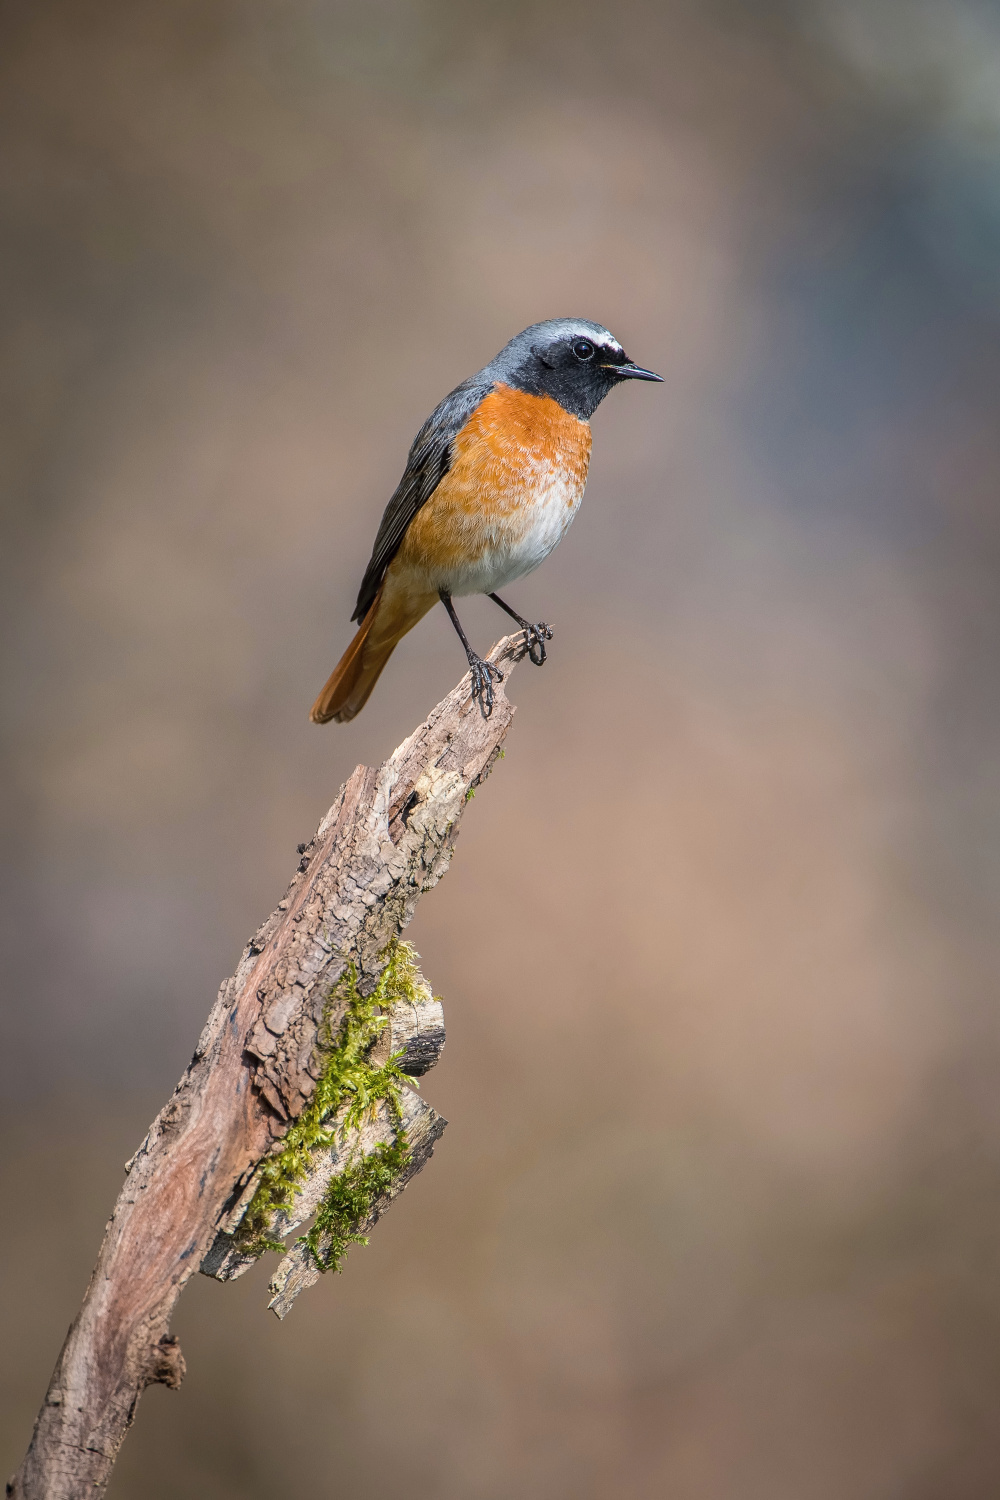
<point x="387" y="839"/>
<point x="415" y="1034"/>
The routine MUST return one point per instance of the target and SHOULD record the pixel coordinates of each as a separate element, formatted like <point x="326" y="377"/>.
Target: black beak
<point x="629" y="371"/>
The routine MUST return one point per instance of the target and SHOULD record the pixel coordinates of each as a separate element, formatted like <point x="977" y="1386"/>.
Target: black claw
<point x="483" y="673"/>
<point x="535" y="637"/>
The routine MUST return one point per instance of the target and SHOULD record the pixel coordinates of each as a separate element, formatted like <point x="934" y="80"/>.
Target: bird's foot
<point x="483" y="673"/>
<point x="535" y="637"/>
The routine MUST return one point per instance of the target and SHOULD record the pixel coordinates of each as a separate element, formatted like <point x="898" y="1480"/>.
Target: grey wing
<point x="428" y="463"/>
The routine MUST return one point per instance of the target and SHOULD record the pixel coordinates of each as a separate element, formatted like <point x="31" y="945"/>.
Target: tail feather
<point x="350" y="684"/>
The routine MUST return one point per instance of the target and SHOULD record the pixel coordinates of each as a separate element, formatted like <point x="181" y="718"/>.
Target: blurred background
<point x="717" y="1215"/>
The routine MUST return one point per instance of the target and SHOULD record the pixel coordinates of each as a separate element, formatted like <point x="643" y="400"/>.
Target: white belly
<point x="514" y="545"/>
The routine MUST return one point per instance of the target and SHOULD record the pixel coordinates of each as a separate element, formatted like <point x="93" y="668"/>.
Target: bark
<point x="387" y="839"/>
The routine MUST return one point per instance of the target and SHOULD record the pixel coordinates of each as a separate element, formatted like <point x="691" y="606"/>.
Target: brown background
<point x="717" y="1216"/>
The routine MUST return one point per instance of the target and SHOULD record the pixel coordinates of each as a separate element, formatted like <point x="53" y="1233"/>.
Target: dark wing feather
<point x="428" y="463"/>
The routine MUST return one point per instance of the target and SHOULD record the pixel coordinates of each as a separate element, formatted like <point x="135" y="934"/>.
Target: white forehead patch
<point x="602" y="337"/>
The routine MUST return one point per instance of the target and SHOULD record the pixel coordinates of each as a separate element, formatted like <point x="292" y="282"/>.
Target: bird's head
<point x="575" y="362"/>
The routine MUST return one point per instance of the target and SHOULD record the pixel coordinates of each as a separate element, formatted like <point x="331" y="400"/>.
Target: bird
<point x="493" y="479"/>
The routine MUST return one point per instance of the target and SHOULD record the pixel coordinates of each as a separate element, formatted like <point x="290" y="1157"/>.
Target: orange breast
<point x="516" y="456"/>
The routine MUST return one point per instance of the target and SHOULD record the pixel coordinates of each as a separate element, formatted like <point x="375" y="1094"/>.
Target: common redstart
<point x="494" y="478"/>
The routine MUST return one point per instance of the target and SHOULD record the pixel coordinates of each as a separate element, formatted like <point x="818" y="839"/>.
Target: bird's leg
<point x="483" y="672"/>
<point x="535" y="636"/>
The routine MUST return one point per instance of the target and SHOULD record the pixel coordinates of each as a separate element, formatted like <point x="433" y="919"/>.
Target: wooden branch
<point x="387" y="839"/>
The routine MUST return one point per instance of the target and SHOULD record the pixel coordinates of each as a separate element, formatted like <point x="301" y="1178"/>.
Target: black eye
<point x="583" y="349"/>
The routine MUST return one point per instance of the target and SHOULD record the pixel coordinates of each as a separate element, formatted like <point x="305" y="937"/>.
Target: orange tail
<point x="358" y="670"/>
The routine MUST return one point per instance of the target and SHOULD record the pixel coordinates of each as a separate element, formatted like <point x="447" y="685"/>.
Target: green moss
<point x="349" y="1078"/>
<point x="350" y="1198"/>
